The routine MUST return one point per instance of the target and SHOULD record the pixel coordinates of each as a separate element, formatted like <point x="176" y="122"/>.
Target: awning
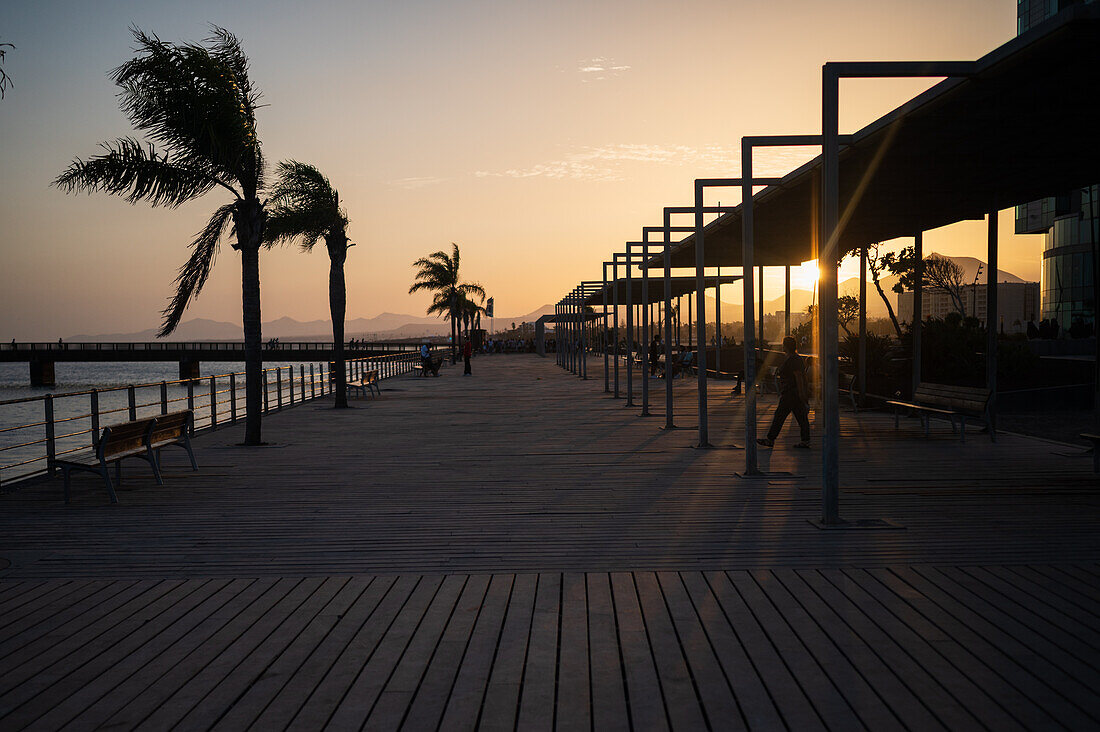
<point x="656" y="292"/>
<point x="1022" y="128"/>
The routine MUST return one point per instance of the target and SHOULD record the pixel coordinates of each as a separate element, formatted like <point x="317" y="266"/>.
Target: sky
<point x="538" y="136"/>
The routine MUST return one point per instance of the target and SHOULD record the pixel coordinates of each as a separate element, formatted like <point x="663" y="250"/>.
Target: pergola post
<point x="615" y="312"/>
<point x="862" y="373"/>
<point x="787" y="299"/>
<point x="992" y="321"/>
<point x="827" y="260"/>
<point x="629" y="332"/>
<point x="917" y="327"/>
<point x="645" y="326"/>
<point x="718" y="322"/>
<point x="748" y="253"/>
<point x="700" y="295"/>
<point x="667" y="246"/>
<point x="760" y="303"/>
<point x="606" y="365"/>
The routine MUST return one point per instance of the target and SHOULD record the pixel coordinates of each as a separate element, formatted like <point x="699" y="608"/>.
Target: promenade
<point x="518" y="550"/>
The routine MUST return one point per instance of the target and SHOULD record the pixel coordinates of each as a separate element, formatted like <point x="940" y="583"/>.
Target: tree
<point x="305" y="207"/>
<point x="439" y="273"/>
<point x="938" y="272"/>
<point x="5" y="80"/>
<point x="847" y="310"/>
<point x="878" y="263"/>
<point x="198" y="105"/>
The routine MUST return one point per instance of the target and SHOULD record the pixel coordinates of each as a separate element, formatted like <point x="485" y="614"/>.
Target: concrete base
<point x="857" y="524"/>
<point x="189" y="370"/>
<point x="42" y="373"/>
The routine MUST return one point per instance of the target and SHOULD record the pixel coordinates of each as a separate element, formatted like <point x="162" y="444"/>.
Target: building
<point x="1017" y="303"/>
<point x="1070" y="222"/>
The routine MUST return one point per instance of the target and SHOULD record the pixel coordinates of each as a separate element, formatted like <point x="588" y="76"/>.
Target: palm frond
<point x="192" y="275"/>
<point x="303" y="206"/>
<point x="138" y="173"/>
<point x="196" y="101"/>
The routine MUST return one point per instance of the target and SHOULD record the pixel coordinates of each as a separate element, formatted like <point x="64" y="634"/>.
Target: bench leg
<point x="110" y="486"/>
<point x="190" y="453"/>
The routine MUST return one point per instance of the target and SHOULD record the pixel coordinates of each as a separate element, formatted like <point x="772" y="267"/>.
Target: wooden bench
<point x="950" y="402"/>
<point x="142" y="438"/>
<point x="368" y="384"/>
<point x="436" y="364"/>
<point x="1095" y="440"/>
<point x="680" y="365"/>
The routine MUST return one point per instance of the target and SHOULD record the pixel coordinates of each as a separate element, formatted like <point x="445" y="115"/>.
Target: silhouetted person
<point x="793" y="396"/>
<point x="1032" y="331"/>
<point x="654" y="354"/>
<point x="467" y="353"/>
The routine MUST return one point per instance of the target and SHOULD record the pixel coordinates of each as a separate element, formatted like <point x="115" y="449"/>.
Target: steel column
<point x="917" y="326"/>
<point x="992" y="322"/>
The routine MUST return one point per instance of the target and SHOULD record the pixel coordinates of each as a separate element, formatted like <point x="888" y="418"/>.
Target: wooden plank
<point x="609" y="710"/>
<point x="755" y="704"/>
<point x="646" y="703"/>
<point x="96" y="670"/>
<point x="222" y="629"/>
<point x="237" y="670"/>
<point x="574" y="707"/>
<point x="429" y="606"/>
<point x="998" y="650"/>
<point x="872" y="709"/>
<point x="537" y="700"/>
<point x="499" y="712"/>
<point x="793" y="704"/>
<point x="1056" y="602"/>
<point x="343" y="626"/>
<point x="422" y="707"/>
<point x="468" y="694"/>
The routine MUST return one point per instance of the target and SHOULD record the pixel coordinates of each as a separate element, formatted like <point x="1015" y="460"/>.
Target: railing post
<point x="131" y="400"/>
<point x="191" y="403"/>
<point x="233" y="397"/>
<point x="213" y="404"/>
<point x="302" y="377"/>
<point x="279" y="387"/>
<point x="290" y="382"/>
<point x="263" y="383"/>
<point x="94" y="411"/>
<point x="51" y="435"/>
<point x="164" y="397"/>
<point x="312" y="383"/>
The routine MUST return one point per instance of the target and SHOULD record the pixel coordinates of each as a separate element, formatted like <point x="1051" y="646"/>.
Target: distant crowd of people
<point x="511" y="345"/>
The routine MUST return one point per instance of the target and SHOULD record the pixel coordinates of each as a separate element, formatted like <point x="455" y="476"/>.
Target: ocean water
<point x="23" y="432"/>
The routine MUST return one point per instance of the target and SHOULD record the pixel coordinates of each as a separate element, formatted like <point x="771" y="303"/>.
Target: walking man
<point x="467" y="352"/>
<point x="793" y="397"/>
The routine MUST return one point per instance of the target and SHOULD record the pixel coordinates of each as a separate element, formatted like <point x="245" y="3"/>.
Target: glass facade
<point x="1070" y="222"/>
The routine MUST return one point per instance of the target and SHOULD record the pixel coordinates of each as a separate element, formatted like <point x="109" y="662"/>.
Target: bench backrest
<point x="122" y="438"/>
<point x="370" y="376"/>
<point x="963" y="398"/>
<point x="171" y="426"/>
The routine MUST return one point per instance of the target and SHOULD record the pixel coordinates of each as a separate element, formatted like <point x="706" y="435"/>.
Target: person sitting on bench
<point x="793" y="396"/>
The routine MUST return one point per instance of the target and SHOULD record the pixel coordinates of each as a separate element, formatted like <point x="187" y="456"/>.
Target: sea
<point x="23" y="410"/>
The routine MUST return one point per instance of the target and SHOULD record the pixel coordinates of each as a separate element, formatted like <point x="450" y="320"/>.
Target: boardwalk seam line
<point x="496" y="648"/>
<point x="683" y="652"/>
<point x="649" y="645"/>
<point x="619" y="648"/>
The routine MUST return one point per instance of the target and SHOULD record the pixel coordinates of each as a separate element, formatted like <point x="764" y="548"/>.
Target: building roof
<point x="1021" y="128"/>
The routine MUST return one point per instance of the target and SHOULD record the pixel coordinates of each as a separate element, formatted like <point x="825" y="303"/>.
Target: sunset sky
<point x="539" y="136"/>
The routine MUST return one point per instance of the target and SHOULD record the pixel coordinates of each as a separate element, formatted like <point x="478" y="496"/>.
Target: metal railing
<point x="35" y="431"/>
<point x="228" y="346"/>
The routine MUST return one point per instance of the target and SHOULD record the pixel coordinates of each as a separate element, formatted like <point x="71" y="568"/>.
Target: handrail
<point x="202" y="393"/>
<point x="46" y="346"/>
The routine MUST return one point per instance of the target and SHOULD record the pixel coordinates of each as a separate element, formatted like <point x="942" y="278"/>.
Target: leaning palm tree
<point x="305" y="207"/>
<point x="438" y="273"/>
<point x="197" y="104"/>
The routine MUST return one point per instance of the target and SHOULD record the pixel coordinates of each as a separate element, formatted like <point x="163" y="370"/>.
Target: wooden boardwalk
<point x="517" y="551"/>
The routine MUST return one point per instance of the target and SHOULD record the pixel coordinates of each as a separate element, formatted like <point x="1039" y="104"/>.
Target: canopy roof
<point x="656" y="292"/>
<point x="1022" y="128"/>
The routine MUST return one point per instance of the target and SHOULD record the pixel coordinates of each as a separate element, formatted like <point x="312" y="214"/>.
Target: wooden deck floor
<point x="516" y="550"/>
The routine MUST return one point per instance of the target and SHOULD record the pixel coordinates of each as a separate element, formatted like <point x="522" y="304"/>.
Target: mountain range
<point x="387" y="326"/>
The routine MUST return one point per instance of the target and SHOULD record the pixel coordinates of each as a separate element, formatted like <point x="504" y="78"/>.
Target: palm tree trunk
<point x="249" y="232"/>
<point x="337" y="305"/>
<point x="454" y="333"/>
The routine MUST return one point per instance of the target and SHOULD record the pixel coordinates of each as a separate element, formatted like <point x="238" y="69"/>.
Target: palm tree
<point x="305" y="206"/>
<point x="438" y="273"/>
<point x="197" y="103"/>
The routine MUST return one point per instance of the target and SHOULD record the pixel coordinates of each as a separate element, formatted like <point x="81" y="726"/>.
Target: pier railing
<point x="47" y="347"/>
<point x="34" y="431"/>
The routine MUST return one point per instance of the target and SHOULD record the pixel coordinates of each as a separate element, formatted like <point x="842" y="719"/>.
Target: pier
<point x="518" y="549"/>
<point x="41" y="357"/>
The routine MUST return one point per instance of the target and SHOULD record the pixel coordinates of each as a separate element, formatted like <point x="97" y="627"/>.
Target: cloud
<point x="609" y="162"/>
<point x="599" y="69"/>
<point x="411" y="184"/>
